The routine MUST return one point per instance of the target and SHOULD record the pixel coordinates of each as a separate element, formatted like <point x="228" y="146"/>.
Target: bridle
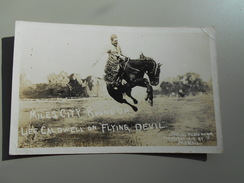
<point x="155" y="69"/>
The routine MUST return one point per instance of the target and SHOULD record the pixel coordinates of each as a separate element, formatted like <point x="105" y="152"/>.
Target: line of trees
<point x="184" y="85"/>
<point x="59" y="85"/>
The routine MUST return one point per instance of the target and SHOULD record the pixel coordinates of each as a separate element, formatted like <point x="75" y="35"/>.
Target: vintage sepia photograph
<point x="108" y="89"/>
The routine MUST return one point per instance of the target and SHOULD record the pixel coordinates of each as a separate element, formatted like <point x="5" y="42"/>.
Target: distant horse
<point x="133" y="71"/>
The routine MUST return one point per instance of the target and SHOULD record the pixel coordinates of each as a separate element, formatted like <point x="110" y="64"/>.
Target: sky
<point x="44" y="48"/>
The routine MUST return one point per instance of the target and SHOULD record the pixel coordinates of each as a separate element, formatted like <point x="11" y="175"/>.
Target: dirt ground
<point x="94" y="122"/>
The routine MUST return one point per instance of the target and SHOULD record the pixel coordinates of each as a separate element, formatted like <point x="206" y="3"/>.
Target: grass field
<point x="94" y="122"/>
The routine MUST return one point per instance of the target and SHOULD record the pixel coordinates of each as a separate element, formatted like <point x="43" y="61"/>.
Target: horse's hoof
<point x="135" y="101"/>
<point x="150" y="102"/>
<point x="135" y="108"/>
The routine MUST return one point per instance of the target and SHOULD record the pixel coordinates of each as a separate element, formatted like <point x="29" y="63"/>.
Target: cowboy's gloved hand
<point x="122" y="57"/>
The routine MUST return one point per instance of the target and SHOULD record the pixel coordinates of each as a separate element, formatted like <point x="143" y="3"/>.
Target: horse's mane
<point x="142" y="57"/>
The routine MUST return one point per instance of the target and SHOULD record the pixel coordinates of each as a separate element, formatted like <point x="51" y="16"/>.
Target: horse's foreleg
<point x="145" y="83"/>
<point x="149" y="96"/>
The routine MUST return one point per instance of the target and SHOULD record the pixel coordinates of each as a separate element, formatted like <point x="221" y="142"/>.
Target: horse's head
<point x="152" y="69"/>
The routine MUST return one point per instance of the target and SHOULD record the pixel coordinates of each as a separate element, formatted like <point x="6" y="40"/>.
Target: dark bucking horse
<point x="133" y="71"/>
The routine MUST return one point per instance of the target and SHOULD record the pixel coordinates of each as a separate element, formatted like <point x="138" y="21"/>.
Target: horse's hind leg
<point x="118" y="96"/>
<point x="123" y="101"/>
<point x="132" y="106"/>
<point x="128" y="93"/>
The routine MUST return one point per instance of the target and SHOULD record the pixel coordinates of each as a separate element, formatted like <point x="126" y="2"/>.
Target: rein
<point x="155" y="67"/>
<point x="130" y="66"/>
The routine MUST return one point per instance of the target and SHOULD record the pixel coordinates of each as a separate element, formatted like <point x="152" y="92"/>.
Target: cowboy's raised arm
<point x="107" y="50"/>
